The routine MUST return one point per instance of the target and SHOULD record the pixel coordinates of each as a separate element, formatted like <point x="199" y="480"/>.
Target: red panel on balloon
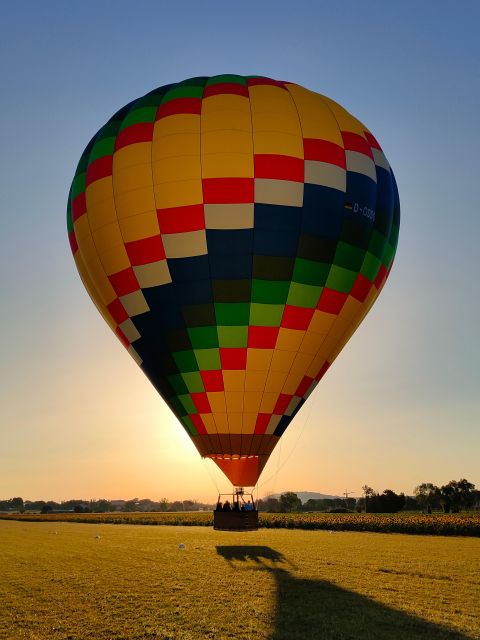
<point x="141" y="132"/>
<point x="228" y="190"/>
<point x="124" y="282"/>
<point x="212" y="380"/>
<point x="233" y="358"/>
<point x="296" y="317"/>
<point x="226" y="87"/>
<point x="180" y="105"/>
<point x="279" y="167"/>
<point x="181" y="219"/>
<point x="331" y="301"/>
<point x="324" y="151"/>
<point x="145" y="251"/>
<point x="262" y="337"/>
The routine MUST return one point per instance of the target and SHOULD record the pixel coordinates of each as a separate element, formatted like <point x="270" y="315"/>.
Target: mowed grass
<point x="63" y="580"/>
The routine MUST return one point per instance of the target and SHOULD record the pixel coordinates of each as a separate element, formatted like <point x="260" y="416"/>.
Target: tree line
<point x="453" y="497"/>
<point x="102" y="505"/>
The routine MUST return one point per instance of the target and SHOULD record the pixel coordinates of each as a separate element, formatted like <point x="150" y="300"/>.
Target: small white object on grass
<point x="97" y="537"/>
<point x="181" y="546"/>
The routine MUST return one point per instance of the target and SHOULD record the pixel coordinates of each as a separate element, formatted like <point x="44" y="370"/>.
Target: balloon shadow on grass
<point x="318" y="609"/>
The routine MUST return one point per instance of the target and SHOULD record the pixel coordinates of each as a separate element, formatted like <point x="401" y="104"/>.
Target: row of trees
<point x="102" y="506"/>
<point x="452" y="497"/>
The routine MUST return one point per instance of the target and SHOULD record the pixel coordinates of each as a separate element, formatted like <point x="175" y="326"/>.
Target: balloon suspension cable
<point x="292" y="450"/>
<point x="210" y="474"/>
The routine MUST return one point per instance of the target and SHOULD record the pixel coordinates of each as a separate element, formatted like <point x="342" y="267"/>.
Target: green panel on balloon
<point x="208" y="359"/>
<point x="185" y="360"/>
<point x="187" y="91"/>
<point x="303" y="295"/>
<point x="145" y="114"/>
<point x="341" y="279"/>
<point x="177" y="383"/>
<point x="233" y="336"/>
<point x="104" y="147"/>
<point x="266" y="315"/>
<point x="270" y="291"/>
<point x="232" y="313"/>
<point x="226" y="78"/>
<point x="310" y="272"/>
<point x="203" y="337"/>
<point x="193" y="380"/>
<point x="370" y="266"/>
<point x="348" y="256"/>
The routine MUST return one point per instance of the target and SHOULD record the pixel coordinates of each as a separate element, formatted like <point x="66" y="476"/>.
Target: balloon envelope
<point x="233" y="232"/>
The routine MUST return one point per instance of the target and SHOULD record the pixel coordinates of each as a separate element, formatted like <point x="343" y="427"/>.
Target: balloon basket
<point x="239" y="514"/>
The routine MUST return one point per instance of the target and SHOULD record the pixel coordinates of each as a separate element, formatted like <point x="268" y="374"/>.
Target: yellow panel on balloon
<point x="278" y="144"/>
<point x="292" y="382"/>
<point x="301" y="363"/>
<point x="279" y="106"/>
<point x="221" y="422"/>
<point x="209" y="422"/>
<point x="177" y="168"/>
<point x="114" y="260"/>
<point x="216" y="400"/>
<point x="94" y="290"/>
<point x="234" y="380"/>
<point x="132" y="154"/>
<point x="345" y="120"/>
<point x="99" y="191"/>
<point x="252" y="401"/>
<point x="282" y="360"/>
<point x="131" y="203"/>
<point x="269" y="400"/>
<point x="178" y="194"/>
<point x="259" y="359"/>
<point x="143" y="225"/>
<point x="108" y="237"/>
<point x="275" y="380"/>
<point x="176" y="124"/>
<point x="227" y="112"/>
<point x="82" y="228"/>
<point x="249" y="422"/>
<point x="289" y="339"/>
<point x="100" y="213"/>
<point x="227" y="165"/>
<point x="227" y="141"/>
<point x="132" y="178"/>
<point x="309" y="343"/>
<point x="255" y="380"/>
<point x="316" y="117"/>
<point x="175" y="145"/>
<point x="234" y="400"/>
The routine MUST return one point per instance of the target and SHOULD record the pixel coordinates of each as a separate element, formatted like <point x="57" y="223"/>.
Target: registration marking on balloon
<point x="233" y="232"/>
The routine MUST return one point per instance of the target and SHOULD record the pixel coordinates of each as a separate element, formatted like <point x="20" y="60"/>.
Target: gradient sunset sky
<point x="401" y="405"/>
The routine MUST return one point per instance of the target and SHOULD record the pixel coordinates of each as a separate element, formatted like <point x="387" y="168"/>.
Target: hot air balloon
<point x="233" y="231"/>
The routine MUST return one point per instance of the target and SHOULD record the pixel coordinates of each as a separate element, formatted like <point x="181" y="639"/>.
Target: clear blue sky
<point x="401" y="404"/>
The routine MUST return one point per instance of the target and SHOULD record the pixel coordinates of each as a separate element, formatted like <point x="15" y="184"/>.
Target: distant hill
<point x="305" y="495"/>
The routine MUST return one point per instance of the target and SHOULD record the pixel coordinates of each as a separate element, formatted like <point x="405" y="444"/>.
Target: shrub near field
<point x="437" y="524"/>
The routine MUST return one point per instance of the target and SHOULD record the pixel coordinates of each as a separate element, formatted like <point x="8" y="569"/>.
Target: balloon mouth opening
<point x="231" y="457"/>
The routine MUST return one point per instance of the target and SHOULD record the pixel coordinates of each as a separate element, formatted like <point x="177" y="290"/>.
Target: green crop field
<point x="62" y="580"/>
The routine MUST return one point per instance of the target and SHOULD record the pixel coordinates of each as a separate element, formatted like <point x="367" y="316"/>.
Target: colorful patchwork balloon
<point x="233" y="232"/>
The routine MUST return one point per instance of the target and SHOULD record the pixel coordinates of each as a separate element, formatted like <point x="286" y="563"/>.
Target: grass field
<point x="96" y="581"/>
